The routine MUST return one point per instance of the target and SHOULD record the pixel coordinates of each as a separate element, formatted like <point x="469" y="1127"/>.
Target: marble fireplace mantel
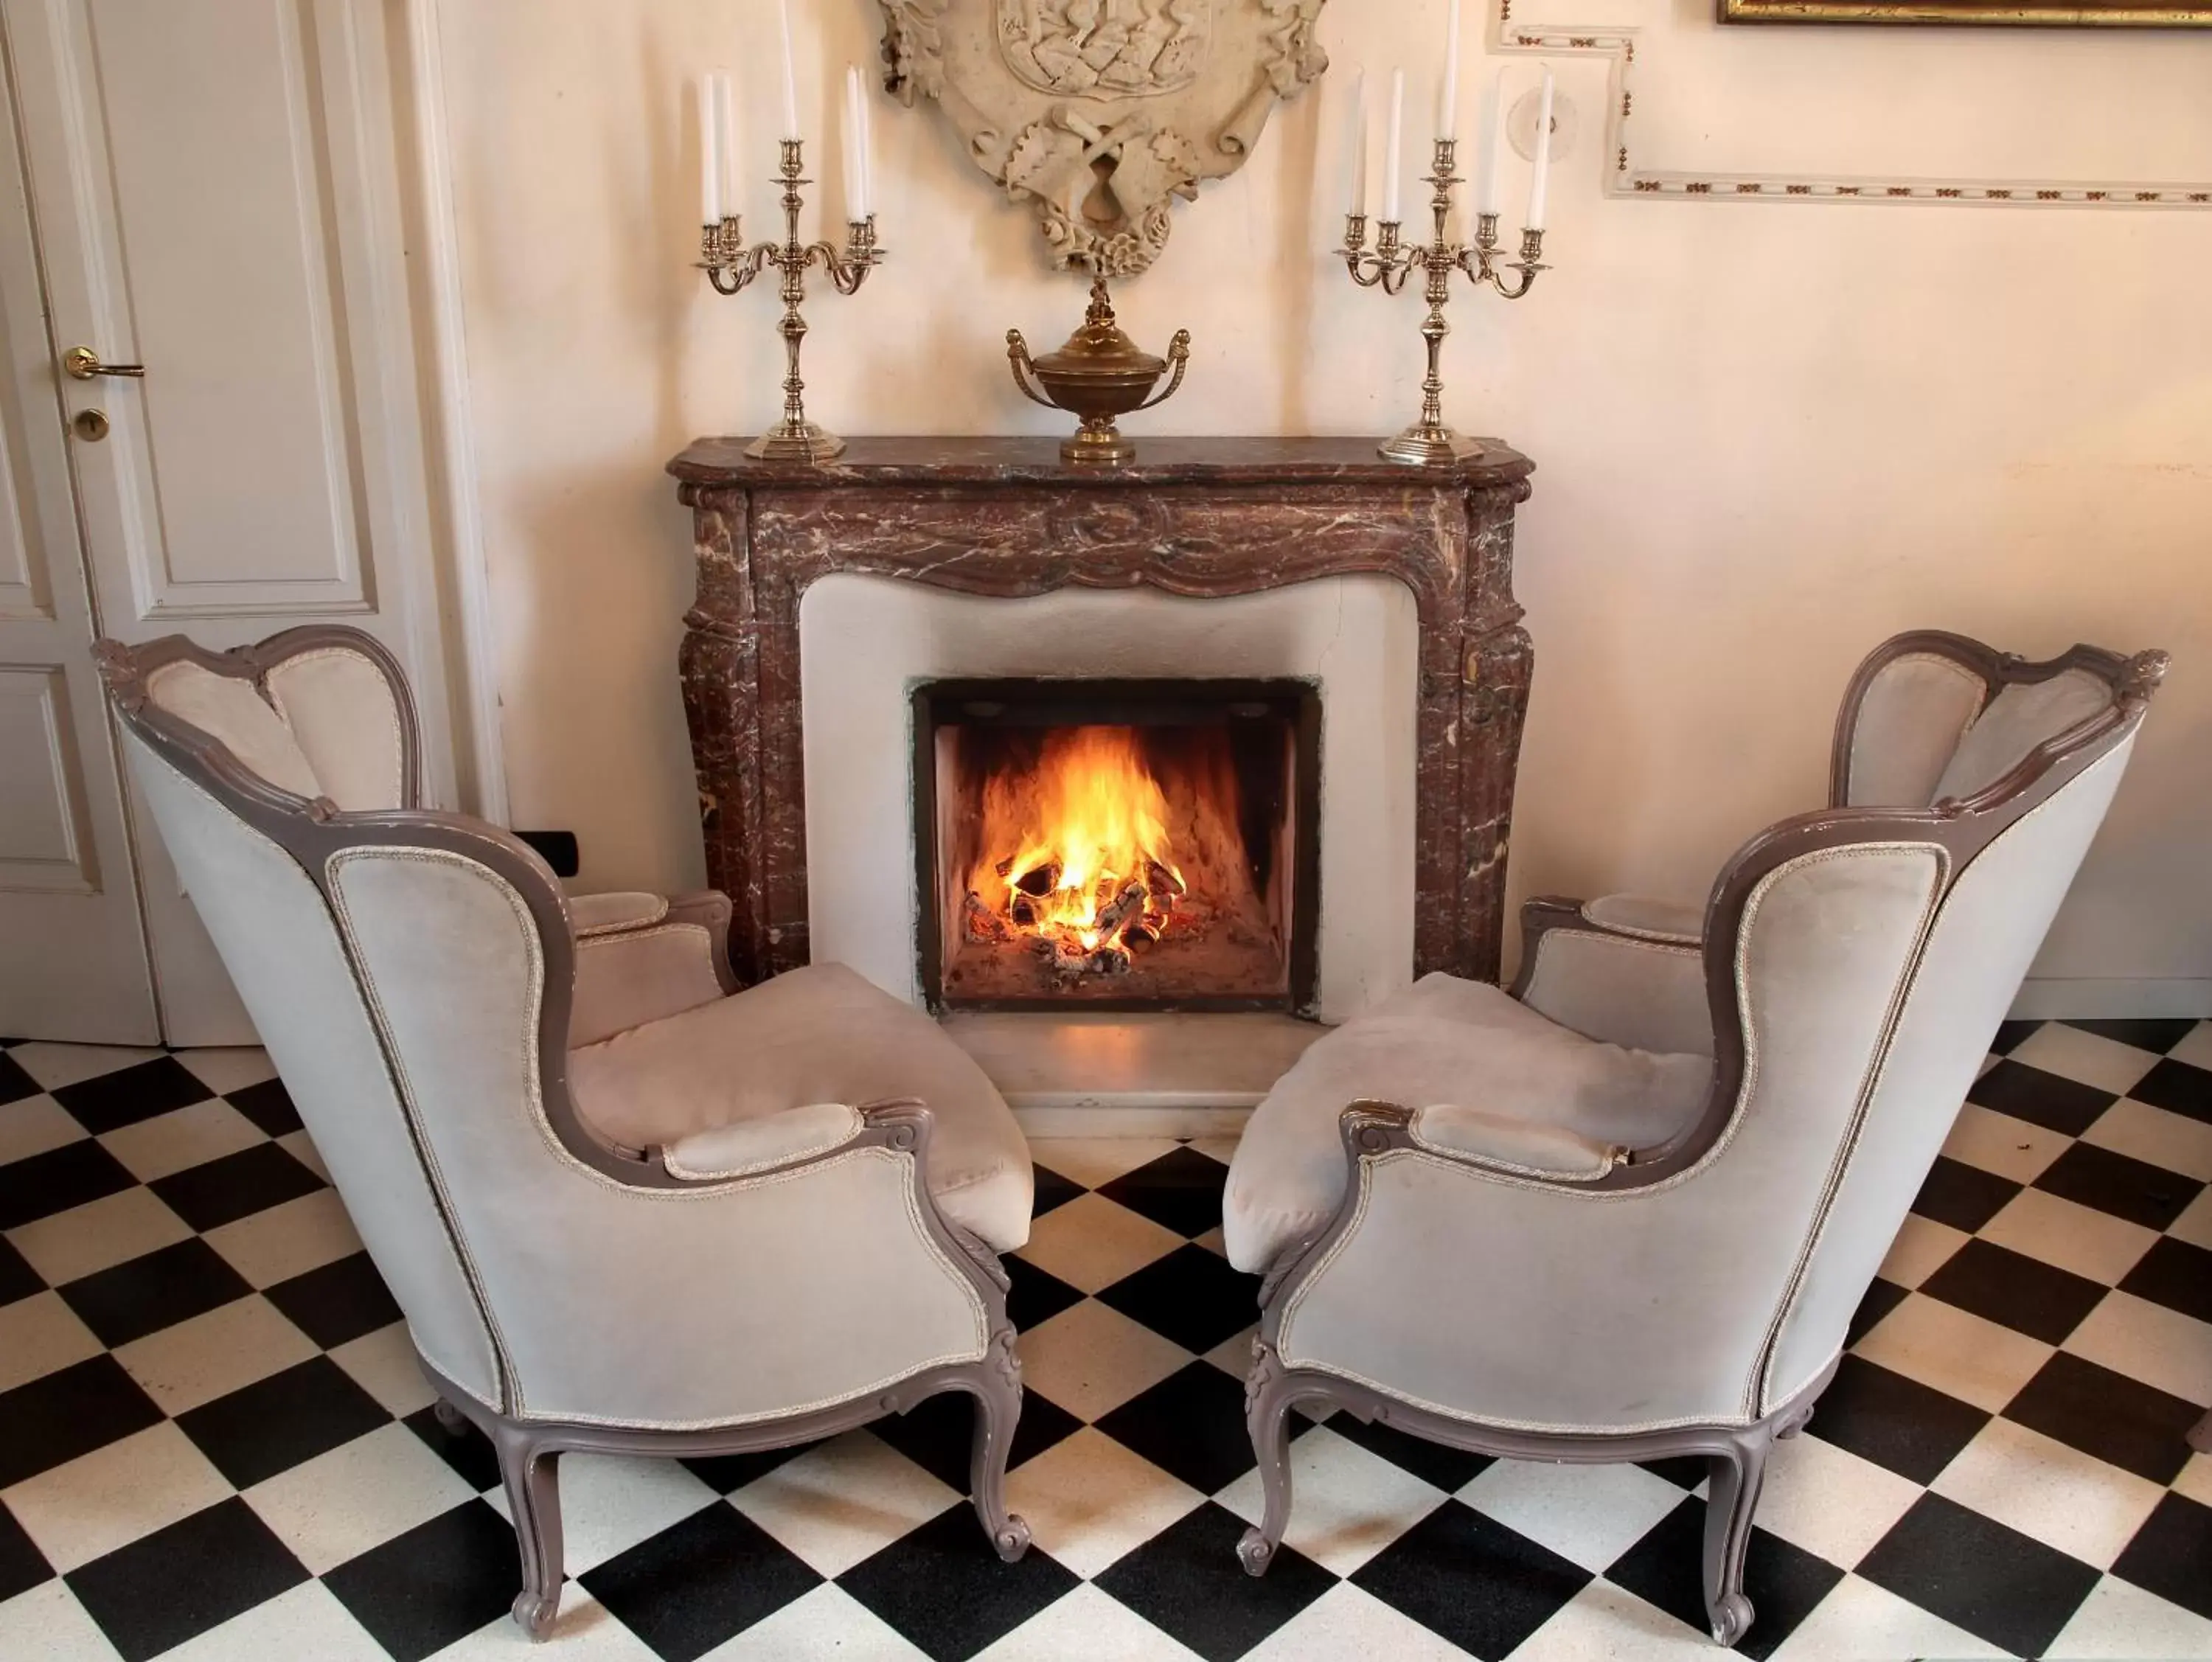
<point x="1199" y="518"/>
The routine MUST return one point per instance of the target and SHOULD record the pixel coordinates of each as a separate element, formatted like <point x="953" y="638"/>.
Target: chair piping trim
<point x="1636" y="931"/>
<point x="276" y="697"/>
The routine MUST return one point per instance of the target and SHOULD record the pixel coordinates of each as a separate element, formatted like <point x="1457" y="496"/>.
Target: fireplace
<point x="1117" y="845"/>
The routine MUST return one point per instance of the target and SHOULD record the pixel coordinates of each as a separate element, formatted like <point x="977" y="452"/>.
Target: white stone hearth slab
<point x="1093" y="1074"/>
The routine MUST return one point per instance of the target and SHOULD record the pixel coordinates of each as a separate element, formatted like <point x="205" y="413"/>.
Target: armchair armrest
<point x="1645" y="990"/>
<point x="753" y="1145"/>
<point x="629" y="978"/>
<point x="591" y="915"/>
<point x="1517" y="1145"/>
<point x="1647" y="917"/>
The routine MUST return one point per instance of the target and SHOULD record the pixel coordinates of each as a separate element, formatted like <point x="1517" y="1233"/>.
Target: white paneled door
<point x="216" y="191"/>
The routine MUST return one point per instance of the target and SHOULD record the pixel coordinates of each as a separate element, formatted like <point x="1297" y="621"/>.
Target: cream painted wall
<point x="1768" y="434"/>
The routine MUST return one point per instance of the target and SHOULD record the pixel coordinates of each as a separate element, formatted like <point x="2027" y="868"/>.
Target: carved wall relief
<point x="1099" y="112"/>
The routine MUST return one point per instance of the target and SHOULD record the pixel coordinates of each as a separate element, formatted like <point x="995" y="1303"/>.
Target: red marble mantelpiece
<point x="1006" y="517"/>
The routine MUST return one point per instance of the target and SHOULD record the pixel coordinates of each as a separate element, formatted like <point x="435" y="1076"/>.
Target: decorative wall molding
<point x="1626" y="177"/>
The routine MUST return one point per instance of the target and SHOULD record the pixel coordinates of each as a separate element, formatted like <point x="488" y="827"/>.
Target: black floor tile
<point x="1448" y="1469"/>
<point x="2177" y="1087"/>
<point x="1181" y="1191"/>
<point x="56" y="1180"/>
<point x="1036" y="1296"/>
<point x="2151" y="1033"/>
<point x="22" y="1566"/>
<point x="1783" y="1581"/>
<point x="1685" y="1471"/>
<point x="1995" y="1582"/>
<point x="1481" y="1585"/>
<point x="420" y="1591"/>
<point x="17" y="1279"/>
<point x="699" y="1582"/>
<point x="1896" y="1423"/>
<point x="273" y="1424"/>
<point x="2170" y="1553"/>
<point x="2130" y="1189"/>
<point x="1882" y="1297"/>
<point x="156" y="1290"/>
<point x="1964" y="1197"/>
<point x="2016" y="1291"/>
<point x="1051" y="1190"/>
<point x="2175" y="1274"/>
<point x="2133" y="1426"/>
<point x="268" y="1104"/>
<point x="2009" y="1034"/>
<point x="14" y="1083"/>
<point x="947" y="1592"/>
<point x="1186" y="1582"/>
<point x="107" y="1102"/>
<point x="236" y="1186"/>
<point x="726" y="1474"/>
<point x="166" y="1587"/>
<point x="2050" y="1101"/>
<point x="938" y="1434"/>
<point x="1191" y="1296"/>
<point x="337" y="1303"/>
<point x="69" y="1412"/>
<point x="1191" y="1425"/>
<point x="469" y="1452"/>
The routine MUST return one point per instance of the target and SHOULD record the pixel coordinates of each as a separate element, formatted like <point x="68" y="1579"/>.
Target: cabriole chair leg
<point x="530" y="1473"/>
<point x="1267" y="1416"/>
<point x="1737" y="1478"/>
<point x="998" y="1411"/>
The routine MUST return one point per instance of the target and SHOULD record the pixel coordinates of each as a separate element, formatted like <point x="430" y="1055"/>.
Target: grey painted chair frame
<point x="312" y="833"/>
<point x="1736" y="1454"/>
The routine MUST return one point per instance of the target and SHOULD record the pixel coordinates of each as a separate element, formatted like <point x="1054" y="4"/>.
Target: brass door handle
<point x="82" y="364"/>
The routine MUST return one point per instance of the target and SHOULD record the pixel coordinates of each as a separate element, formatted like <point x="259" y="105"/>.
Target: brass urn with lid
<point x="1099" y="374"/>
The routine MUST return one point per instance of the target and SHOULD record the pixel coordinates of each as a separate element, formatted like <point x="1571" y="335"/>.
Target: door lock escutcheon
<point x="90" y="424"/>
<point x="82" y="364"/>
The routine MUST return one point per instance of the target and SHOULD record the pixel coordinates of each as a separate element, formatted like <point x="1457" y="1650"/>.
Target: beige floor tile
<point x="2165" y="1139"/>
<point x="1349" y="1504"/>
<point x="214" y="1353"/>
<point x="302" y="1148"/>
<point x="583" y="1631"/>
<point x="2117" y="1622"/>
<point x="1086" y="1626"/>
<point x="1221" y="1148"/>
<point x="180" y="1138"/>
<point x="1859" y="1622"/>
<point x="2195" y="1223"/>
<point x="2089" y="1058"/>
<point x="98" y="1235"/>
<point x="1233" y="1355"/>
<point x="32" y="1125"/>
<point x="87" y="1508"/>
<point x="2049" y="1492"/>
<point x="2072" y="1236"/>
<point x="357" y="1496"/>
<point x="48" y="1623"/>
<point x="609" y="1503"/>
<point x="225" y="1069"/>
<point x="1089" y="1499"/>
<point x="288" y="1240"/>
<point x="1603" y="1623"/>
<point x="384" y="1364"/>
<point x="1090" y="1359"/>
<point x="1998" y="1142"/>
<point x="2196" y="1049"/>
<point x="1091" y="1161"/>
<point x="1955" y="1351"/>
<point x="826" y="1622"/>
<point x="1829" y="1501"/>
<point x="38" y="1335"/>
<point x="56" y="1065"/>
<point x="1091" y="1242"/>
<point x="1587" y="1514"/>
<point x="2150" y="1342"/>
<point x="2195" y="1480"/>
<point x="306" y="1623"/>
<point x="1922" y="1246"/>
<point x="843" y="1501"/>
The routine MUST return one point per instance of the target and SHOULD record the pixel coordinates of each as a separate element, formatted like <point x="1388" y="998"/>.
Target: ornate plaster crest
<point x="1101" y="112"/>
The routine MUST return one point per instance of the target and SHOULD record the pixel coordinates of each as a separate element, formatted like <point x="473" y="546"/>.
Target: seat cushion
<point x="1443" y="1040"/>
<point x="815" y="1035"/>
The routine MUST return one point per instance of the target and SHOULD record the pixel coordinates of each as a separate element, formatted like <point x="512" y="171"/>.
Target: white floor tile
<point x="2088" y="1058"/>
<point x="1998" y="1142"/>
<point x="1090" y="1359"/>
<point x="1221" y="1148"/>
<point x="38" y="1335"/>
<point x="828" y="1621"/>
<point x="87" y="1508"/>
<point x="1977" y="1360"/>
<point x="182" y="1137"/>
<point x="2172" y="1141"/>
<point x="98" y="1235"/>
<point x="2195" y="1224"/>
<point x="1091" y="1242"/>
<point x="305" y="1623"/>
<point x="1859" y="1622"/>
<point x="1589" y="1515"/>
<point x="1233" y="1355"/>
<point x="609" y="1503"/>
<point x="2195" y="1480"/>
<point x="56" y="1065"/>
<point x="1089" y="1501"/>
<point x="841" y="1502"/>
<point x="2150" y="1342"/>
<point x="384" y="1364"/>
<point x="1347" y="1505"/>
<point x="302" y="1148"/>
<point x="357" y="1496"/>
<point x="1922" y="1246"/>
<point x="1087" y="1626"/>
<point x="583" y="1631"/>
<point x="2049" y="1492"/>
<point x="214" y="1353"/>
<point x="2074" y="1236"/>
<point x="48" y="1623"/>
<point x="1830" y="1502"/>
<point x="1346" y="1622"/>
<point x="225" y="1069"/>
<point x="32" y="1125"/>
<point x="2119" y="1623"/>
<point x="1093" y="1161"/>
<point x="288" y="1240"/>
<point x="1605" y="1623"/>
<point x="2196" y="1049"/>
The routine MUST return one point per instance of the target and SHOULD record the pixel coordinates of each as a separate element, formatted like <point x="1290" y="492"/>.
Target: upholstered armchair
<point x="696" y="1223"/>
<point x="1628" y="1210"/>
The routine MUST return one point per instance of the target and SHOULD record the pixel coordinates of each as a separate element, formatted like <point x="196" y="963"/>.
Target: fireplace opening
<point x="1117" y="845"/>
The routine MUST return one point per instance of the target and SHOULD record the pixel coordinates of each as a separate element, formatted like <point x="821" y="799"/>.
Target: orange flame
<point x="1090" y="805"/>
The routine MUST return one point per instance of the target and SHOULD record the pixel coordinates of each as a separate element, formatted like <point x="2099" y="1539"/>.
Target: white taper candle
<point x="1448" y="103"/>
<point x="710" y="162"/>
<point x="1539" y="182"/>
<point x="726" y="139"/>
<point x="790" y="76"/>
<point x="864" y="120"/>
<point x="1494" y="145"/>
<point x="1395" y="152"/>
<point x="1356" y="161"/>
<point x="848" y="128"/>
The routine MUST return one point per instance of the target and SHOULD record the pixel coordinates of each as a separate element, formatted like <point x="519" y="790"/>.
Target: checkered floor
<point x="214" y="1442"/>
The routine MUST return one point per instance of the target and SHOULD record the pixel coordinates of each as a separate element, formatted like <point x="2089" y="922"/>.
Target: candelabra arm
<point x="1017" y="359"/>
<point x="1179" y="356"/>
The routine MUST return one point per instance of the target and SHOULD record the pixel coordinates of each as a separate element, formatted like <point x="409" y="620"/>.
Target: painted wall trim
<point x="2050" y="998"/>
<point x="454" y="484"/>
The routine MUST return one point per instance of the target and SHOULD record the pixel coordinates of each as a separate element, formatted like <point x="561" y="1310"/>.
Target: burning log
<point x="1023" y="910"/>
<point x="1164" y="883"/>
<point x="1039" y="880"/>
<point x="1109" y="960"/>
<point x="1138" y="935"/>
<point x="979" y="922"/>
<point x="1124" y="907"/>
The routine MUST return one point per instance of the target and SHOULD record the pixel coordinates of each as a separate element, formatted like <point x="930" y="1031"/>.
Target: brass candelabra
<point x="1429" y="441"/>
<point x="731" y="267"/>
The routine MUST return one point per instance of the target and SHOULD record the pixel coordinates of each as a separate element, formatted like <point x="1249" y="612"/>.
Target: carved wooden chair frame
<point x="313" y="833"/>
<point x="1736" y="1454"/>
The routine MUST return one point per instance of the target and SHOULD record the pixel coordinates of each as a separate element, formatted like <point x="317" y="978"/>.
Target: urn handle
<point x="1179" y="356"/>
<point x="1017" y="360"/>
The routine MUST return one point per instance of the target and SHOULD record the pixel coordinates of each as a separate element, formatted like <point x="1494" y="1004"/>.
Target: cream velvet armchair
<point x="723" y="1223"/>
<point x="1628" y="1210"/>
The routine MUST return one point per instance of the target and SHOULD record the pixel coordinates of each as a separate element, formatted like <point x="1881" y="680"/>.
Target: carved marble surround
<point x="1198" y="518"/>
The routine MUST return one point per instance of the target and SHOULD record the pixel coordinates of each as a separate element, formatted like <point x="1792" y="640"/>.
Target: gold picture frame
<point x="2087" y="14"/>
